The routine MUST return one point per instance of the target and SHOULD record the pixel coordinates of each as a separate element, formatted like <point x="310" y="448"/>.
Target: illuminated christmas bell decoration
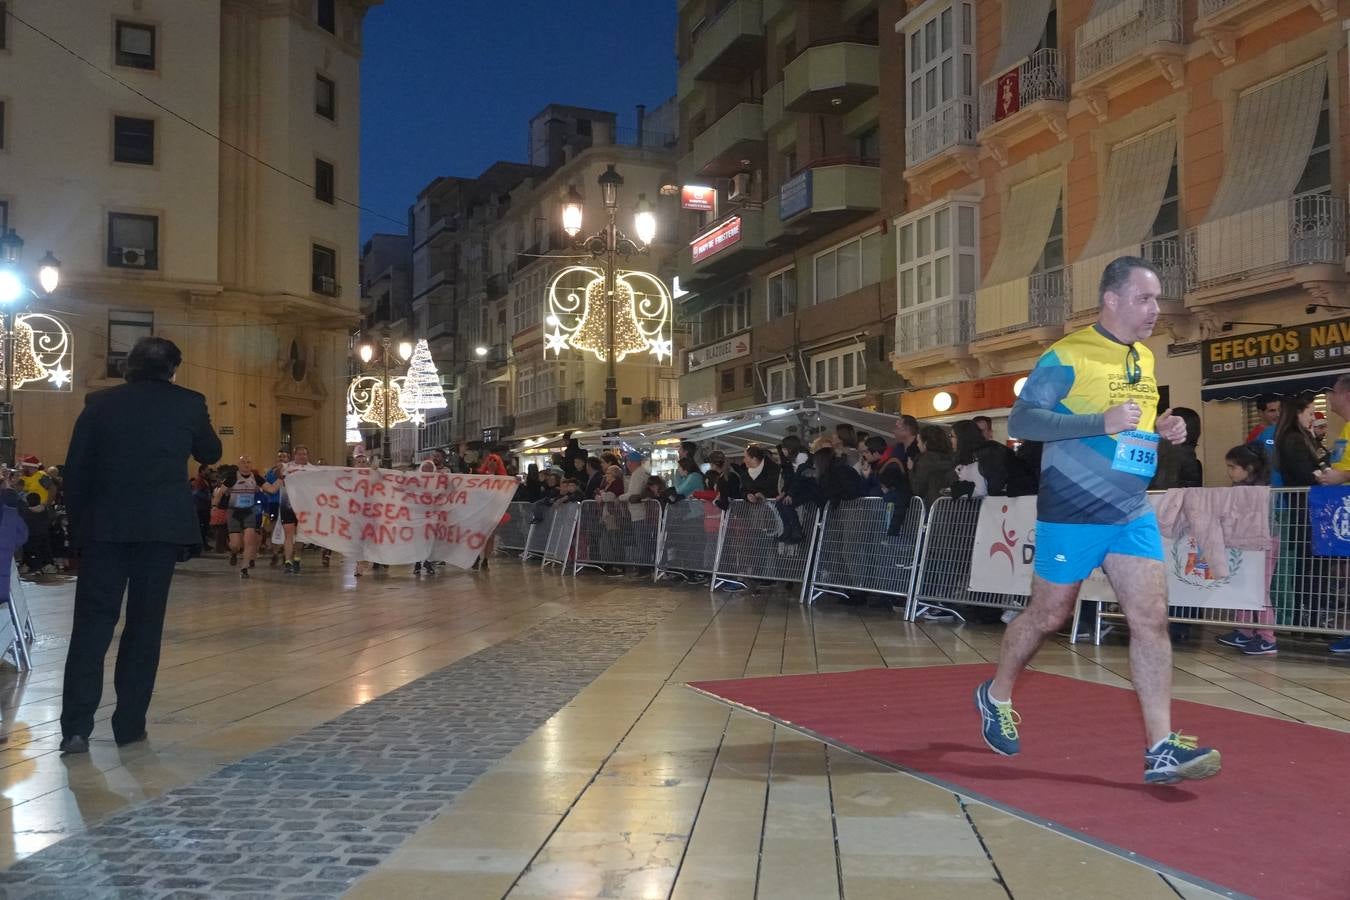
<point x="576" y="314"/>
<point x="42" y="353"/>
<point x="370" y="398"/>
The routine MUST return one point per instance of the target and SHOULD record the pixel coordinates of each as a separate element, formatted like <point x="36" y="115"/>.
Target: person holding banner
<point x="1093" y="399"/>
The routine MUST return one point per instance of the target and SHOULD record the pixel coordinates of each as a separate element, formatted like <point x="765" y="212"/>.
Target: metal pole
<point x="611" y="379"/>
<point x="384" y="435"/>
<point x="11" y="439"/>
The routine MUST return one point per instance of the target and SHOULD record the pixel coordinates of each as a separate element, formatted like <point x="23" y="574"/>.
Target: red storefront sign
<point x="698" y="197"/>
<point x="717" y="240"/>
<point x="1009" y="94"/>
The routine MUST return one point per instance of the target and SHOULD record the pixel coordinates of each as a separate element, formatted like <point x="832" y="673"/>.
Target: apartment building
<point x="1040" y="142"/>
<point x="484" y="251"/>
<point x="163" y="229"/>
<point x="788" y="128"/>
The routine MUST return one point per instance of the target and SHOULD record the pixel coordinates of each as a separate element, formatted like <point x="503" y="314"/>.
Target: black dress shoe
<point x="140" y="737"/>
<point x="75" y="744"/>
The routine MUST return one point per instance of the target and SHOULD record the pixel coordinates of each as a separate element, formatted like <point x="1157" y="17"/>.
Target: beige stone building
<point x="785" y="108"/>
<point x="484" y="251"/>
<point x="163" y="229"/>
<point x="1043" y="140"/>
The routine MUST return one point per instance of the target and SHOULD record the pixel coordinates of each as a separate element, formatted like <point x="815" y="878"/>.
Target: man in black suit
<point x="131" y="515"/>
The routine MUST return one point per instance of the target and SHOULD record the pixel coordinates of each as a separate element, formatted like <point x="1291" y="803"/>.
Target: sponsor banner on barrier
<point x="1005" y="549"/>
<point x="1005" y="546"/>
<point x="398" y="518"/>
<point x="1329" y="509"/>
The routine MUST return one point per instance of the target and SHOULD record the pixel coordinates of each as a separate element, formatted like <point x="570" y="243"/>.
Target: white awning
<point x="1022" y="30"/>
<point x="1025" y="225"/>
<point x="1136" y="177"/>
<point x="1273" y="131"/>
<point x="767" y="424"/>
<point x="1099" y="24"/>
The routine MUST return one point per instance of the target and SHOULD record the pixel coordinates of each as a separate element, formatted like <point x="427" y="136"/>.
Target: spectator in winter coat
<point x="935" y="468"/>
<point x="726" y="481"/>
<point x="1178" y="465"/>
<point x="981" y="465"/>
<point x="761" y="481"/>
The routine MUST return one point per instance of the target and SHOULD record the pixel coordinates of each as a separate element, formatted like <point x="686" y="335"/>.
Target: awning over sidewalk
<point x="767" y="424"/>
<point x="1250" y="389"/>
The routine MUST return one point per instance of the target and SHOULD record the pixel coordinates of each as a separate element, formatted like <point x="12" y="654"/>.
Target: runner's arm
<point x="1037" y="415"/>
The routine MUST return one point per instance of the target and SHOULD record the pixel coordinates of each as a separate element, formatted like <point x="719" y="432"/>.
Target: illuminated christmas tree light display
<point x="422" y="388"/>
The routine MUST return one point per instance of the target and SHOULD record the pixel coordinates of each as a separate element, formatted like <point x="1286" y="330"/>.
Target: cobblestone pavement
<point x="308" y="817"/>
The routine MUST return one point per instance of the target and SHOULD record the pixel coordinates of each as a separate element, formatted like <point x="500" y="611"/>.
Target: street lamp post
<point x="367" y="352"/>
<point x="12" y="290"/>
<point x="606" y="245"/>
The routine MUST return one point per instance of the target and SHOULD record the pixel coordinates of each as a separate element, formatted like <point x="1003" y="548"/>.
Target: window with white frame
<point x="936" y="255"/>
<point x="780" y="382"/>
<point x="843" y="269"/>
<point x="839" y="372"/>
<point x="539" y="385"/>
<point x="782" y="292"/>
<point x="731" y="316"/>
<point x="528" y="301"/>
<point x="941" y="74"/>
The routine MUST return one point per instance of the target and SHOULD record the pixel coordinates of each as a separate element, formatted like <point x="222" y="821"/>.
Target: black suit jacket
<point x="126" y="475"/>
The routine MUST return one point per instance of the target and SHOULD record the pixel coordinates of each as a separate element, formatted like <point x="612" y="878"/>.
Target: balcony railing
<point x="571" y="412"/>
<point x="1048" y="300"/>
<point x="661" y="409"/>
<point x="1123" y="30"/>
<point x="934" y="326"/>
<point x="1300" y="231"/>
<point x="1210" y="7"/>
<point x="950" y="125"/>
<point x="1041" y="76"/>
<point x="1166" y="257"/>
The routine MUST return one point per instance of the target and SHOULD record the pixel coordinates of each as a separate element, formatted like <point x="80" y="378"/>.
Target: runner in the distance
<point x="1092" y="399"/>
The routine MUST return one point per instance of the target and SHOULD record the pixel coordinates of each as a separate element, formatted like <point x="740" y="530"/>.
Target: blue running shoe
<point x="1177" y="757"/>
<point x="1341" y="646"/>
<point x="998" y="722"/>
<point x="1260" y="647"/>
<point x="1234" y="638"/>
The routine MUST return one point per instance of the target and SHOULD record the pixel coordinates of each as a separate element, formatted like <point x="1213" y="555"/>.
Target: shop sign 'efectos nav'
<point x="1279" y="351"/>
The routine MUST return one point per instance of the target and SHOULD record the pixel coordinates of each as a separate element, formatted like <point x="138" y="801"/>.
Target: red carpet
<point x="1274" y="823"/>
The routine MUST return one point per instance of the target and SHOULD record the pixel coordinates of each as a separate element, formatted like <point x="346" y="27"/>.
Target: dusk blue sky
<point x="448" y="86"/>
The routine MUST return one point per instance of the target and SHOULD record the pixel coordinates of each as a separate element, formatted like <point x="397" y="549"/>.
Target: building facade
<point x="1206" y="137"/>
<point x="784" y="109"/>
<point x="484" y="251"/>
<point x="241" y="250"/>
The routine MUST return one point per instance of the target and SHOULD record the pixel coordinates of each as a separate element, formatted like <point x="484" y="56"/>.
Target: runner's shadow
<point x="934" y="761"/>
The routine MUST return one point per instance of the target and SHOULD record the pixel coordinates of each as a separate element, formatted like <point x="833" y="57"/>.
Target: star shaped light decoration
<point x="555" y="342"/>
<point x="418" y="417"/>
<point x="59" y="376"/>
<point x="661" y="349"/>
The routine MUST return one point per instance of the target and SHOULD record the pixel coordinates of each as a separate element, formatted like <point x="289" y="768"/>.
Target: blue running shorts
<point x="1067" y="552"/>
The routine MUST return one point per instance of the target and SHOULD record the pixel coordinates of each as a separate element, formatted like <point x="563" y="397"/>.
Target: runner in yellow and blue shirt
<point x="1093" y="400"/>
<point x="1338" y="468"/>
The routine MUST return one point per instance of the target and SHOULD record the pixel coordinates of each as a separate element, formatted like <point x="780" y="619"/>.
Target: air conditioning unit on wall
<point x="134" y="257"/>
<point x="740" y="186"/>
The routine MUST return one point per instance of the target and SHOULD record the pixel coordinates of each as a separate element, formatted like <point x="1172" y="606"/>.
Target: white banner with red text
<point x="398" y="518"/>
<point x="1005" y="550"/>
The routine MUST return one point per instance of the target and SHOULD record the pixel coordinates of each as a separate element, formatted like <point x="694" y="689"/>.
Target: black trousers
<point x="143" y="572"/>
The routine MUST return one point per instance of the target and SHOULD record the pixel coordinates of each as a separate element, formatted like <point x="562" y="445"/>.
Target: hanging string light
<point x="369" y="398"/>
<point x="577" y="314"/>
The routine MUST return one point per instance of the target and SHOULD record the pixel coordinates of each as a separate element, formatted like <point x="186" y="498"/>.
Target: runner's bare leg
<point x="1141" y="589"/>
<point x="1050" y="605"/>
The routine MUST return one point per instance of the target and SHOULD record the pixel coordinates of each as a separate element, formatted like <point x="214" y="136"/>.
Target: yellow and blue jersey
<point x="1063" y="404"/>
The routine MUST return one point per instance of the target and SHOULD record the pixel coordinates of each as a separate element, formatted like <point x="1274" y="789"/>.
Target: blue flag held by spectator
<point x="1329" y="514"/>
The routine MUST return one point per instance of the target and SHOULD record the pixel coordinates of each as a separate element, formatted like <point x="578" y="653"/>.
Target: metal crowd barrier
<point x="688" y="540"/>
<point x="857" y="552"/>
<point x="514" y="534"/>
<point x="616" y="533"/>
<point x="538" y="536"/>
<point x="749" y="548"/>
<point x="561" y="533"/>
<point x="944" y="563"/>
<point x="16" y="628"/>
<point x="1307" y="593"/>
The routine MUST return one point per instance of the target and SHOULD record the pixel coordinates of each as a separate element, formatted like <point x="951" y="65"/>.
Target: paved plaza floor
<point x="514" y="733"/>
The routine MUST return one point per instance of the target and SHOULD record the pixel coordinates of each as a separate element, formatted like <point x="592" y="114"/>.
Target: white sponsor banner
<point x="1005" y="549"/>
<point x="397" y="518"/>
<point x="1005" y="545"/>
